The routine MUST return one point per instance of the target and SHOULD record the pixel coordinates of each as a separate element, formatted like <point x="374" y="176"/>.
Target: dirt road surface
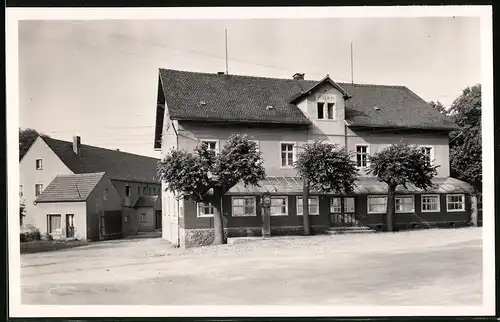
<point x="431" y="267"/>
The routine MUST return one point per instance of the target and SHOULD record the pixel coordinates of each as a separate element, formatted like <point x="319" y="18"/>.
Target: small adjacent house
<point x="72" y="190"/>
<point x="283" y="114"/>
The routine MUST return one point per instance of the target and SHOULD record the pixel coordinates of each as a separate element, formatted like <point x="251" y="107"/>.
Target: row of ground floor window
<point x="243" y="214"/>
<point x="375" y="204"/>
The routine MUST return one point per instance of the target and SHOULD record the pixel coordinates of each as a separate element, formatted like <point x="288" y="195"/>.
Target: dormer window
<point x="325" y="111"/>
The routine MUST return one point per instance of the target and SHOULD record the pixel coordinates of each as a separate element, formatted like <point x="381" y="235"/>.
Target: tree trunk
<point x="391" y="203"/>
<point x="218" y="224"/>
<point x="305" y="208"/>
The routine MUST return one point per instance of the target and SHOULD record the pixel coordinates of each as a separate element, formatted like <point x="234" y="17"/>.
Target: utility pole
<point x="352" y="67"/>
<point x="225" y="32"/>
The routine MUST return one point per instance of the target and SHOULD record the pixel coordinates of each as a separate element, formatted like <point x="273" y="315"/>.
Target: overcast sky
<point x="98" y="79"/>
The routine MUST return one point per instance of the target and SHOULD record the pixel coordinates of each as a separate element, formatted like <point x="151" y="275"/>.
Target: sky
<point x="98" y="79"/>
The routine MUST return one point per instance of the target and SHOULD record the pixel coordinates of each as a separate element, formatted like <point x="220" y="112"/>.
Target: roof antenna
<point x="352" y="75"/>
<point x="225" y="34"/>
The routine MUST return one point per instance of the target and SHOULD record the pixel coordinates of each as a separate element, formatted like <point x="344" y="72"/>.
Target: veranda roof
<point x="366" y="185"/>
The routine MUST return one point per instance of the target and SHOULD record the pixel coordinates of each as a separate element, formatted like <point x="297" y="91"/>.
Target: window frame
<point x="454" y="195"/>
<point x="430" y="195"/>
<point x="49" y="224"/>
<point x="368" y="204"/>
<point x="41" y="164"/>
<point x="367" y="154"/>
<point x="216" y="149"/>
<point x="200" y="206"/>
<point x="294" y="154"/>
<point x="431" y="153"/>
<point x="105" y="193"/>
<point x="318" y="103"/>
<point x="328" y="104"/>
<point x="332" y="208"/>
<point x="254" y="213"/>
<point x="353" y="204"/>
<point x="403" y="197"/>
<point x="128" y="191"/>
<point x="300" y="213"/>
<point x="144" y="217"/>
<point x="36" y="190"/>
<point x="286" y="206"/>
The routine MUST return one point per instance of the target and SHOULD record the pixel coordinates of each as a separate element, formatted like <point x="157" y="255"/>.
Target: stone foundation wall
<point x="203" y="237"/>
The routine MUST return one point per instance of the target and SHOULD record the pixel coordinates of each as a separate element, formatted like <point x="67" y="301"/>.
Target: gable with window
<point x="205" y="209"/>
<point x="279" y="206"/>
<point x="313" y="206"/>
<point x="287" y="154"/>
<point x="404" y="204"/>
<point x="243" y="206"/>
<point x="455" y="202"/>
<point x="362" y="155"/>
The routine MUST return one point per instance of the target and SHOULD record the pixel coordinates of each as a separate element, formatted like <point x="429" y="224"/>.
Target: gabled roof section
<point x="118" y="165"/>
<point x="148" y="201"/>
<point x="311" y="90"/>
<point x="70" y="188"/>
<point x="234" y="98"/>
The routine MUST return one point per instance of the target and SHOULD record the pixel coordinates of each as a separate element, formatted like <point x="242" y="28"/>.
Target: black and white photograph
<point x="251" y="161"/>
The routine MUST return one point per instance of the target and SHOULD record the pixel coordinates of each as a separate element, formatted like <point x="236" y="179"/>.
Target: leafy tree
<point x="465" y="144"/>
<point x="324" y="167"/>
<point x="438" y="106"/>
<point x="26" y="139"/>
<point x="206" y="177"/>
<point x="401" y="164"/>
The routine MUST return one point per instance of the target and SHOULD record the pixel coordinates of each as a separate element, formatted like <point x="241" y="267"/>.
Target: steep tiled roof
<point x="73" y="187"/>
<point x="147" y="201"/>
<point x="117" y="164"/>
<point x="213" y="97"/>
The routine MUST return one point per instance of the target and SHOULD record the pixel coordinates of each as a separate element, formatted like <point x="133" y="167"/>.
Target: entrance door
<point x="158" y="219"/>
<point x="70" y="228"/>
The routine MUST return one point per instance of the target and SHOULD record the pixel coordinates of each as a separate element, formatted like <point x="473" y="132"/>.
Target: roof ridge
<point x="284" y="79"/>
<point x="107" y="149"/>
<point x="87" y="174"/>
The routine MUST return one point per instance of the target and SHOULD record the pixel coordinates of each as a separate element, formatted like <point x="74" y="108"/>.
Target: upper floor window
<point x="287" y="154"/>
<point x="362" y="156"/>
<point x="427" y="151"/>
<point x="38" y="189"/>
<point x="39" y="164"/>
<point x="144" y="217"/>
<point x="211" y="145"/>
<point x="138" y="191"/>
<point x="127" y="191"/>
<point x="325" y="111"/>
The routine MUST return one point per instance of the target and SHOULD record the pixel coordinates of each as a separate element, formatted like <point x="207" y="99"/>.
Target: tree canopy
<point x="204" y="176"/>
<point x="401" y="164"/>
<point x="438" y="106"/>
<point x="324" y="167"/>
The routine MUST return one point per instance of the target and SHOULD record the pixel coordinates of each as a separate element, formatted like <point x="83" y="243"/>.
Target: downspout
<point x="178" y="208"/>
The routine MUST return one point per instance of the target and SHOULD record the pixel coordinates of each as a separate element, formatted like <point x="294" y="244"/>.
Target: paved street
<point x="432" y="267"/>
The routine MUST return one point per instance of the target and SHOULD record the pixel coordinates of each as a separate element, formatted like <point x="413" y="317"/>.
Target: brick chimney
<point x="298" y="76"/>
<point x="76" y="145"/>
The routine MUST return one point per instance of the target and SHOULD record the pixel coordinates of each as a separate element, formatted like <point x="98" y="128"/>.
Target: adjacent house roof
<point x="118" y="165"/>
<point x="148" y="201"/>
<point x="365" y="185"/>
<point x="214" y="97"/>
<point x="73" y="187"/>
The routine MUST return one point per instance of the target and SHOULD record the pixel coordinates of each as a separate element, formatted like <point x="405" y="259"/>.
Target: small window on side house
<point x="127" y="191"/>
<point x="143" y="217"/>
<point x="38" y="189"/>
<point x="211" y="145"/>
<point x="106" y="194"/>
<point x="39" y="164"/>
